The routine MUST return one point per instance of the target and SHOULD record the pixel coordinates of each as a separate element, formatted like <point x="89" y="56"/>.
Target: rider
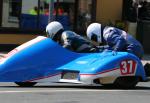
<point x="69" y="39"/>
<point x="116" y="39"/>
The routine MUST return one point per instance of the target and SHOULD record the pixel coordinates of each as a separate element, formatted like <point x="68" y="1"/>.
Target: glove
<point x="93" y="50"/>
<point x="114" y="52"/>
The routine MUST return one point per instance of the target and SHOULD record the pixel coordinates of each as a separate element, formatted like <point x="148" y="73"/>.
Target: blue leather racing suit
<point x="119" y="40"/>
<point x="76" y="43"/>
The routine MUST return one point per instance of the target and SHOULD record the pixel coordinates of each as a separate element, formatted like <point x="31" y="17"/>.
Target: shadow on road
<point x="80" y="87"/>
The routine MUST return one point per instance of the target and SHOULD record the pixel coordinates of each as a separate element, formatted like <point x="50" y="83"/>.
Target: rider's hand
<point x="93" y="50"/>
<point x="114" y="52"/>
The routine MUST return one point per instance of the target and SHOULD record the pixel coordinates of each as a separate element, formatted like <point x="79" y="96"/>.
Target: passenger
<point x="69" y="39"/>
<point x="116" y="39"/>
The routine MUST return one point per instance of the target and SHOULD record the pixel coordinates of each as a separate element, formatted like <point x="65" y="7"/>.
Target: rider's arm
<point x="66" y="39"/>
<point x="120" y="44"/>
<point x="115" y="40"/>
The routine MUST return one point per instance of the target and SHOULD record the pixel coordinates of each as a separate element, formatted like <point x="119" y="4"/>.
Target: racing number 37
<point x="127" y="67"/>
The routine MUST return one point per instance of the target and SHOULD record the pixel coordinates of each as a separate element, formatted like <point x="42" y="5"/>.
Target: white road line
<point x="50" y="91"/>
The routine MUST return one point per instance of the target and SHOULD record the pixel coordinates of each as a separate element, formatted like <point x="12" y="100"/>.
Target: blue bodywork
<point x="46" y="58"/>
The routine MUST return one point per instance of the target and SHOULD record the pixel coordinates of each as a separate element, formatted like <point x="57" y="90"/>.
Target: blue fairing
<point x="99" y="62"/>
<point x="35" y="61"/>
<point x="46" y="58"/>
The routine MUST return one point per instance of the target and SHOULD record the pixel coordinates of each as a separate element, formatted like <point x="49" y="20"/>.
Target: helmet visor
<point x="94" y="37"/>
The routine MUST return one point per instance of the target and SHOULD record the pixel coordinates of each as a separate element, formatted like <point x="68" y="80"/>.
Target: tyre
<point x="126" y="82"/>
<point x="147" y="69"/>
<point x="26" y="84"/>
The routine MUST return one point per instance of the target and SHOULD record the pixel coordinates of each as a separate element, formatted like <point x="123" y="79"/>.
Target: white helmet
<point x="94" y="32"/>
<point x="53" y="28"/>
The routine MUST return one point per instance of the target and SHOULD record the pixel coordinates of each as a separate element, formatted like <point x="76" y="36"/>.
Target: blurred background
<point x="23" y="20"/>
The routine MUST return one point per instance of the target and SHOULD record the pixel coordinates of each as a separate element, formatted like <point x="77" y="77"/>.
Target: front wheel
<point x="26" y="84"/>
<point x="147" y="69"/>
